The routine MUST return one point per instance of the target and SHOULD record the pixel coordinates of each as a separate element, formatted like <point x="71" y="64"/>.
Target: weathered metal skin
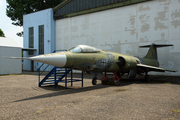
<point x="102" y="61"/>
<point x="151" y="62"/>
<point x="98" y="62"/>
<point x="95" y="61"/>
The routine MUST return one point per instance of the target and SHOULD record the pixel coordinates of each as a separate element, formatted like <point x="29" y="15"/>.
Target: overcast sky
<point x="6" y="24"/>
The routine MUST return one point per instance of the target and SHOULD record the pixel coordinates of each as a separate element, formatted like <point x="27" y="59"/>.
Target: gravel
<point x="21" y="98"/>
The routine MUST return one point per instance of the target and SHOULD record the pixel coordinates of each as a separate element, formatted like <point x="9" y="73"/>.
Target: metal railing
<point x="41" y="72"/>
<point x="56" y="70"/>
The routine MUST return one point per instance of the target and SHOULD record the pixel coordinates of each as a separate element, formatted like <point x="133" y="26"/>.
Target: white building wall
<point x="44" y="17"/>
<point x="124" y="29"/>
<point x="10" y="66"/>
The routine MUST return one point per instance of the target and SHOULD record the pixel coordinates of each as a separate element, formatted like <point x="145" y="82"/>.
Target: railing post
<point x="82" y="78"/>
<point x="66" y="78"/>
<point x="55" y="74"/>
<point x="71" y="77"/>
<point x="55" y="77"/>
<point x="39" y="77"/>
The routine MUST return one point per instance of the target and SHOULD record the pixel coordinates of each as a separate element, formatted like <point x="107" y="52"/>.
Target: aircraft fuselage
<point x="104" y="61"/>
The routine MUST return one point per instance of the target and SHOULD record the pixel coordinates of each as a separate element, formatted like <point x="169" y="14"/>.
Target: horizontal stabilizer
<point x="156" y="45"/>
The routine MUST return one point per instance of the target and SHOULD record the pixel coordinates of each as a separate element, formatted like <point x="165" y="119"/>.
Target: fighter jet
<point x="96" y="61"/>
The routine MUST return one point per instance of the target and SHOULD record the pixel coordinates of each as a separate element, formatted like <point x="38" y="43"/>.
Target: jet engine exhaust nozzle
<point x="121" y="62"/>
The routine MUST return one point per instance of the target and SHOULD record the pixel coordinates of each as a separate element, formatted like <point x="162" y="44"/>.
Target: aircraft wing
<point x="152" y="68"/>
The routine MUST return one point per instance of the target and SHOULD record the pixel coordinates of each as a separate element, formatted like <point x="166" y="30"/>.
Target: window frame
<point x="31" y="40"/>
<point x="41" y="39"/>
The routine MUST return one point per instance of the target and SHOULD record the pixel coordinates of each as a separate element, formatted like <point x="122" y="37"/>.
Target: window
<point x="41" y="39"/>
<point x="31" y="39"/>
<point x="84" y="49"/>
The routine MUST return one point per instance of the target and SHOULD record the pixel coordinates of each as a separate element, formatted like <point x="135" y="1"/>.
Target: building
<point x="39" y="32"/>
<point x="9" y="48"/>
<point x="116" y="25"/>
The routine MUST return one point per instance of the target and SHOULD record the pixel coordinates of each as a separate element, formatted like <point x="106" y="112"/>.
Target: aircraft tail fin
<point x="152" y="53"/>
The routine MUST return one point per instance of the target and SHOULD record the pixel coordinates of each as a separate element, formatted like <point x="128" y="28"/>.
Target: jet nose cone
<point x="55" y="59"/>
<point x="40" y="58"/>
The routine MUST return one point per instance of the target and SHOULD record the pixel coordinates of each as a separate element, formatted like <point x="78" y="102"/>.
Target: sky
<point x="6" y="25"/>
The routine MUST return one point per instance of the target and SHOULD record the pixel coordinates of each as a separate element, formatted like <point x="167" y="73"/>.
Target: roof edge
<point x="9" y="42"/>
<point x="61" y="4"/>
<point x="111" y="6"/>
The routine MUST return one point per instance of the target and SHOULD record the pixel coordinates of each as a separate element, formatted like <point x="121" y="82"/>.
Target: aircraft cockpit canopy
<point x="84" y="49"/>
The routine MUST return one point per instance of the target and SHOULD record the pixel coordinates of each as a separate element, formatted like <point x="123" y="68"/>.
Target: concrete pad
<point x="21" y="98"/>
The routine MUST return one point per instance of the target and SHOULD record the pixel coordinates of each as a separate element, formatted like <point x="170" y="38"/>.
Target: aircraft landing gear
<point x="147" y="78"/>
<point x="119" y="74"/>
<point x="94" y="80"/>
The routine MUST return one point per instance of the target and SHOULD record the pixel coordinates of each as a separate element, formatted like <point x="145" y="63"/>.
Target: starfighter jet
<point x="96" y="61"/>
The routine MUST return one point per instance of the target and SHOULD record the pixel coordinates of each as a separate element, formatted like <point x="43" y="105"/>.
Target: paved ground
<point x="21" y="98"/>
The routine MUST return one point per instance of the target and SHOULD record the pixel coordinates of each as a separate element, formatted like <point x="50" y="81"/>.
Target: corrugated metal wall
<point x="79" y="5"/>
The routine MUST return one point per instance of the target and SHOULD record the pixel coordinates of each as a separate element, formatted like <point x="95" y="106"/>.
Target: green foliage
<point x="167" y="83"/>
<point x="1" y="33"/>
<point x="20" y="34"/>
<point x="17" y="8"/>
<point x="176" y="110"/>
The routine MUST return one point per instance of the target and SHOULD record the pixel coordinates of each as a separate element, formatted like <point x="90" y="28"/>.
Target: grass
<point x="54" y="106"/>
<point x="120" y="90"/>
<point x="38" y="112"/>
<point x="49" y="109"/>
<point x="176" y="110"/>
<point x="167" y="83"/>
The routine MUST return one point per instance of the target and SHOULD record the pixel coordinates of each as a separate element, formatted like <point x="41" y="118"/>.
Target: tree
<point x="1" y="33"/>
<point x="17" y="8"/>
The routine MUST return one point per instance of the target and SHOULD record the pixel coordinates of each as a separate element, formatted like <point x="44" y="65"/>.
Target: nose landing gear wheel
<point x="94" y="80"/>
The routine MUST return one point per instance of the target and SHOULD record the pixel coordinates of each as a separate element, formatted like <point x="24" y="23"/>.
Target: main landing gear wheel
<point x="119" y="74"/>
<point x="94" y="80"/>
<point x="147" y="78"/>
